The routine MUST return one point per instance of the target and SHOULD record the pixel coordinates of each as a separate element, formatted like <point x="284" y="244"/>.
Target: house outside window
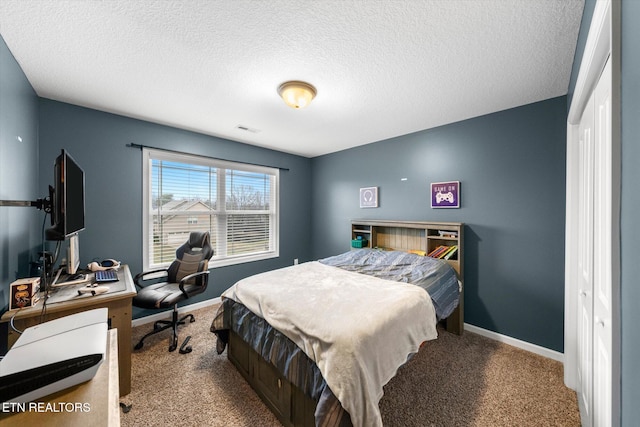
<point x="236" y="203"/>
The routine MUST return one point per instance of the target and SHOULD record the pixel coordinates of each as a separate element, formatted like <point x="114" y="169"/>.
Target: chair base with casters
<point x="187" y="276"/>
<point x="161" y="325"/>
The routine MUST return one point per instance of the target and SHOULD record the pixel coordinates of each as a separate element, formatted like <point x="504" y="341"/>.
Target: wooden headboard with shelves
<point x="418" y="236"/>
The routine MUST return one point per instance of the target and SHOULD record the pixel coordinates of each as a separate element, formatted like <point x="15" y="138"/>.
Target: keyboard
<point x="104" y="276"/>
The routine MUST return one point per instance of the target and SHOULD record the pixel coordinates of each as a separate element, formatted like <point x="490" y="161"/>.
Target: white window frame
<point x="219" y="259"/>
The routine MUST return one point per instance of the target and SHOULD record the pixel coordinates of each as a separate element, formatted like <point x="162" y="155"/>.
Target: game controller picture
<point x="444" y="196"/>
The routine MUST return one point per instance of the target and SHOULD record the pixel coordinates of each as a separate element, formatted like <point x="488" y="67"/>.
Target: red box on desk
<point x="24" y="293"/>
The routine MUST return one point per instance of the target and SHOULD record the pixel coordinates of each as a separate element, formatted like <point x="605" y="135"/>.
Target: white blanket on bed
<point x="358" y="329"/>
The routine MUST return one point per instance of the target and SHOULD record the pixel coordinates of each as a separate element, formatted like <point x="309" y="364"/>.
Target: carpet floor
<point x="464" y="380"/>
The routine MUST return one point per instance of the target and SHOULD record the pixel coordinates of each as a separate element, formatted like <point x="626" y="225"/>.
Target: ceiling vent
<point x="247" y="129"/>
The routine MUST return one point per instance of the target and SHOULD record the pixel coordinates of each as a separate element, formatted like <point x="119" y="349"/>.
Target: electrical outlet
<point x="295" y="261"/>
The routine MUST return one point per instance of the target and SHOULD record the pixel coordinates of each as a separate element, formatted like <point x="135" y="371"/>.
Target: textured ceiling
<point x="382" y="68"/>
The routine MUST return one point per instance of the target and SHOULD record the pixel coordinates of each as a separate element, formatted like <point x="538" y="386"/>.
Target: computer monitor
<point x="67" y="198"/>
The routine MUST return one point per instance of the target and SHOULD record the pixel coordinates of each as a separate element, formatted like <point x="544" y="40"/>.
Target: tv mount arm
<point x="44" y="204"/>
<point x="41" y="204"/>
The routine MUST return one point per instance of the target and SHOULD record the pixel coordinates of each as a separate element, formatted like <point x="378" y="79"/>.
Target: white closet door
<point x="592" y="319"/>
<point x="602" y="268"/>
<point x="595" y="257"/>
<point x="585" y="262"/>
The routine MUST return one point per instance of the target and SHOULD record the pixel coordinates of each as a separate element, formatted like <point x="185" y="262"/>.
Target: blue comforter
<point x="436" y="276"/>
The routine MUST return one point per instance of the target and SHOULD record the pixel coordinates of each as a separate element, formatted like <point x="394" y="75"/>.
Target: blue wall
<point x="630" y="237"/>
<point x="511" y="165"/>
<point x="19" y="226"/>
<point x="113" y="175"/>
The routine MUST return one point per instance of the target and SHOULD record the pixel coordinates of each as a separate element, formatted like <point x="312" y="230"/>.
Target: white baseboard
<point x="533" y="348"/>
<point x="185" y="309"/>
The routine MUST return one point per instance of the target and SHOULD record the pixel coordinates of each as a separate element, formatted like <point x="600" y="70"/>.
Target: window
<point x="236" y="203"/>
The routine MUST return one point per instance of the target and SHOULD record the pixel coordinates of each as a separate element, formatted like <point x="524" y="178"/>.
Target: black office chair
<point x="187" y="276"/>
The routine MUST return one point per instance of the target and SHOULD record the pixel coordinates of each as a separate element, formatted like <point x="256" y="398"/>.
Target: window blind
<point x="236" y="203"/>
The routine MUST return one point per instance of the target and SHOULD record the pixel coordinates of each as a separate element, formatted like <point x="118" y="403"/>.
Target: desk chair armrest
<point x="139" y="276"/>
<point x="185" y="279"/>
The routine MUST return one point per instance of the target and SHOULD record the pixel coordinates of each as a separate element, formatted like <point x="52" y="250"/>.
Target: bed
<point x="319" y="340"/>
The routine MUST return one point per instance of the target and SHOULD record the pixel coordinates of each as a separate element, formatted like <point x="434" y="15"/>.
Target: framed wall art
<point x="369" y="197"/>
<point x="445" y="194"/>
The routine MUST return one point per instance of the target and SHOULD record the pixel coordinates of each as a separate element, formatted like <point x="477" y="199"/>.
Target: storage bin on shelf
<point x="359" y="243"/>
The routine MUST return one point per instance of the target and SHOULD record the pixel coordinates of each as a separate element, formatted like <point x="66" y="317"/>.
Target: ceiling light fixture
<point x="297" y="94"/>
